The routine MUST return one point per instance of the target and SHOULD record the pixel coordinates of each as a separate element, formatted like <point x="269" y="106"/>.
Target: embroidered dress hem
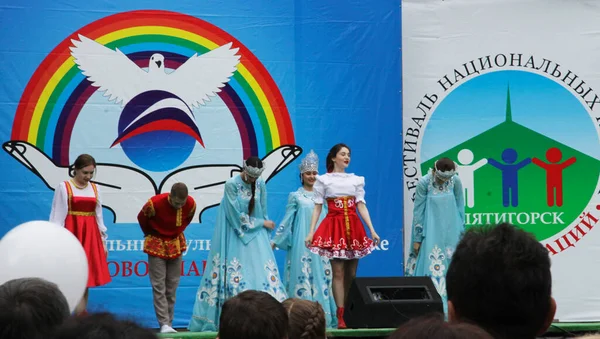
<point x="341" y="254"/>
<point x="343" y="224"/>
<point x="165" y="249"/>
<point x="202" y="324"/>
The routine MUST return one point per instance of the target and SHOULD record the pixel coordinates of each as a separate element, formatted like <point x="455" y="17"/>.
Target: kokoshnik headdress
<point x="443" y="175"/>
<point x="254" y="172"/>
<point x="310" y="163"/>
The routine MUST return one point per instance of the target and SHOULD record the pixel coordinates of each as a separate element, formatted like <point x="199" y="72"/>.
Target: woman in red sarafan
<point x="341" y="236"/>
<point x="77" y="206"/>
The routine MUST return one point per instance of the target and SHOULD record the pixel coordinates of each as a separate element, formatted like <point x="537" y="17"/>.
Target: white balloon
<point x="41" y="249"/>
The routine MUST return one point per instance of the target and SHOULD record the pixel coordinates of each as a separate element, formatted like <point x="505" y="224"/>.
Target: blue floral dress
<point x="438" y="222"/>
<point x="307" y="275"/>
<point x="240" y="258"/>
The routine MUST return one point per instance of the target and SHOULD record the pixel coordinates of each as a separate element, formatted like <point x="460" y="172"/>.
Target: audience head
<point x="253" y="315"/>
<point x="306" y="319"/>
<point x="499" y="278"/>
<point x="433" y="326"/>
<point x="30" y="308"/>
<point x="101" y="326"/>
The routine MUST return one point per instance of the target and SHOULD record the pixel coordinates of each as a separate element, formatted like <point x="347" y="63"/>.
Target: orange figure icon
<point x="554" y="179"/>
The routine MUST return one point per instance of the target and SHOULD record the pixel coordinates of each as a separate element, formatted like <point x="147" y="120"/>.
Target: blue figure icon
<point x="510" y="187"/>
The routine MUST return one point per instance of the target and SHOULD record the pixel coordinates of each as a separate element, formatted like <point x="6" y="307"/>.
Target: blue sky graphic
<point x="538" y="103"/>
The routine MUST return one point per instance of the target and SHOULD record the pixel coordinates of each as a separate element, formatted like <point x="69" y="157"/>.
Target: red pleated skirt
<point x="341" y="234"/>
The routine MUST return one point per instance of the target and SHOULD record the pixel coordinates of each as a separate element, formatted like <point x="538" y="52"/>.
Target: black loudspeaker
<point x="390" y="301"/>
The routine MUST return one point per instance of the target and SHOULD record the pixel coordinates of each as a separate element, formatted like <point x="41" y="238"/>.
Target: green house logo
<point x="527" y="153"/>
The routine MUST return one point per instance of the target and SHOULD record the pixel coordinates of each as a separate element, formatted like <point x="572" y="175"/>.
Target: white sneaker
<point x="167" y="329"/>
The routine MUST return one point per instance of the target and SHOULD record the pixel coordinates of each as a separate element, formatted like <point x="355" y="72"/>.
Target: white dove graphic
<point x="200" y="77"/>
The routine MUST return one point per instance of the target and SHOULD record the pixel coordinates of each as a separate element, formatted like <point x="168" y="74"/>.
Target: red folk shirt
<point x="163" y="226"/>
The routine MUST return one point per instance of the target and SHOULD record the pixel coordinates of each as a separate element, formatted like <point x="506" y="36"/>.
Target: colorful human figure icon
<point x="554" y="170"/>
<point x="510" y="170"/>
<point x="466" y="172"/>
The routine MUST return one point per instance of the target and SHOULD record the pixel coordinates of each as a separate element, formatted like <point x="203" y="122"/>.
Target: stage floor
<point x="557" y="330"/>
<point x="350" y="333"/>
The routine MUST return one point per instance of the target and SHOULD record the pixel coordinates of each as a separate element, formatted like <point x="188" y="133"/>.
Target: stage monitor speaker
<point x="387" y="302"/>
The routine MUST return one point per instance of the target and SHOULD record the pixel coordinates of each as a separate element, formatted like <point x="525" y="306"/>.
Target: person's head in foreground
<point x="306" y="318"/>
<point x="101" y="326"/>
<point x="253" y="315"/>
<point x="499" y="278"/>
<point x="30" y="308"/>
<point x="433" y="326"/>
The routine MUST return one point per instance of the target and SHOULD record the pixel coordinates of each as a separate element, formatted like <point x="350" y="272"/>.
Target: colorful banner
<point x="508" y="90"/>
<point x="185" y="91"/>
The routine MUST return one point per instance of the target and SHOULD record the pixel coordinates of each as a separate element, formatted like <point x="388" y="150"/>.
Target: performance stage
<point x="557" y="330"/>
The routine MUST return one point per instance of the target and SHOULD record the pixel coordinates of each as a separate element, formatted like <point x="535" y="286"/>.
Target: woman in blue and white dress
<point x="307" y="275"/>
<point x="438" y="222"/>
<point x="241" y="257"/>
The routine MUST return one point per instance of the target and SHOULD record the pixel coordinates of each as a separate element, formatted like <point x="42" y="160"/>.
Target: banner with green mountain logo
<point x="511" y="95"/>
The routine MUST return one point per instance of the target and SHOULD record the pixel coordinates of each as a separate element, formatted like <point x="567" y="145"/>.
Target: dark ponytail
<point x="254" y="162"/>
<point x="251" y="203"/>
<point x="332" y="154"/>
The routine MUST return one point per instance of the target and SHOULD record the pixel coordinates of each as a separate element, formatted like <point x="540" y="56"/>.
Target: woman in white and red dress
<point x="77" y="207"/>
<point x="341" y="236"/>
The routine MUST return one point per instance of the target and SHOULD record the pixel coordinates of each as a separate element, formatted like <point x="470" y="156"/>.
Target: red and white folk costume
<point x="80" y="211"/>
<point x="341" y="234"/>
<point x="164" y="242"/>
<point x="163" y="226"/>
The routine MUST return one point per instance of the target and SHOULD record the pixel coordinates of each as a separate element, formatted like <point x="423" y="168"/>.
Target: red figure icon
<point x="554" y="181"/>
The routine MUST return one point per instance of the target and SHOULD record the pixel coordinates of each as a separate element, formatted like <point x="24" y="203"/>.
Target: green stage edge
<point x="378" y="332"/>
<point x="574" y="327"/>
<point x="375" y="332"/>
